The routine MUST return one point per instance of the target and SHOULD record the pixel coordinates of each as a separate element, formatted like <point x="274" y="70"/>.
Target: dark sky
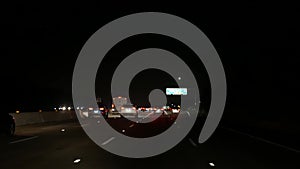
<point x="258" y="45"/>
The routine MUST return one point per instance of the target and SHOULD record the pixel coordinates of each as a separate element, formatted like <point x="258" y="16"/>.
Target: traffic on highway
<point x="149" y="85"/>
<point x="126" y="110"/>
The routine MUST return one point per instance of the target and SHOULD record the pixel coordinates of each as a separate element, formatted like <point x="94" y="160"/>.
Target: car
<point x="113" y="113"/>
<point x="175" y="110"/>
<point x="158" y="110"/>
<point x="167" y="110"/>
<point x="96" y="112"/>
<point x="7" y="124"/>
<point x="143" y="112"/>
<point x="103" y="110"/>
<point x="128" y="111"/>
<point x="142" y="109"/>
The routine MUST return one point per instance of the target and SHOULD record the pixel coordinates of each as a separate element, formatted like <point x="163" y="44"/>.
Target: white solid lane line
<point x="107" y="141"/>
<point x="261" y="139"/>
<point x="22" y="140"/>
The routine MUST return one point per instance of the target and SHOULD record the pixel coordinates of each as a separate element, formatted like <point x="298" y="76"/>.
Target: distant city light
<point x="64" y="108"/>
<point x="17" y="111"/>
<point x="69" y="108"/>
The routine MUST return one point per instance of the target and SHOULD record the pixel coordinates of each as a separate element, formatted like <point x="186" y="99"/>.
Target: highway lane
<point x="57" y="145"/>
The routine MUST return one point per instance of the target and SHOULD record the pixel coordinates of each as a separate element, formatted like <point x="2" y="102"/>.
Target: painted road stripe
<point x="262" y="140"/>
<point x="22" y="140"/>
<point x="108" y="141"/>
<point x="131" y="125"/>
<point x="83" y="125"/>
<point x="192" y="142"/>
<point x="148" y="115"/>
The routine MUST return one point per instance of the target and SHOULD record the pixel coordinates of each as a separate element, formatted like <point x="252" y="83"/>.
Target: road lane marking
<point x="262" y="140"/>
<point x="131" y="125"/>
<point x="148" y="115"/>
<point x="192" y="142"/>
<point x="108" y="141"/>
<point x="76" y="161"/>
<point x="212" y="164"/>
<point x="83" y="125"/>
<point x="22" y="140"/>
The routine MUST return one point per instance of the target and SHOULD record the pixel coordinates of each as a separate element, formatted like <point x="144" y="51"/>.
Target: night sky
<point x="258" y="45"/>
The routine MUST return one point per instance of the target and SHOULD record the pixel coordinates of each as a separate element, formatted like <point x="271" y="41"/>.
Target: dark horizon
<point x="257" y="43"/>
<point x="258" y="49"/>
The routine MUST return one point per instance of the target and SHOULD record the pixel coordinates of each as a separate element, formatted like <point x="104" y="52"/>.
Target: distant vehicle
<point x="103" y="110"/>
<point x="113" y="113"/>
<point x="128" y="111"/>
<point x="167" y="110"/>
<point x="142" y="109"/>
<point x="158" y="110"/>
<point x="84" y="113"/>
<point x="96" y="112"/>
<point x="7" y="124"/>
<point x="143" y="112"/>
<point x="176" y="109"/>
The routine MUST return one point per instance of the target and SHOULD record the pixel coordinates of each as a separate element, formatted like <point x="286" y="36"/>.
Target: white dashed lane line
<point x="192" y="142"/>
<point x="108" y="141"/>
<point x="25" y="139"/>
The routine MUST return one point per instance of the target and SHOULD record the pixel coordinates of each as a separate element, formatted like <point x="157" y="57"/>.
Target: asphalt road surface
<point x="58" y="145"/>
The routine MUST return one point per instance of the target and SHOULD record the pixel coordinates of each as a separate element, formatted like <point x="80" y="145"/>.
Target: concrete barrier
<point x="24" y="118"/>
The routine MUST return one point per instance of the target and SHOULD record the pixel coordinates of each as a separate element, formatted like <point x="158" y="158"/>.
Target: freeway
<point x="65" y="145"/>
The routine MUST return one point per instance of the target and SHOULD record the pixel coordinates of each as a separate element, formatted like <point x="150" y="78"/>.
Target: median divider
<point x="25" y="118"/>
